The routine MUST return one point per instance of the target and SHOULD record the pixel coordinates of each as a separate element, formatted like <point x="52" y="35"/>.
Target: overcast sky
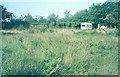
<point x="46" y="7"/>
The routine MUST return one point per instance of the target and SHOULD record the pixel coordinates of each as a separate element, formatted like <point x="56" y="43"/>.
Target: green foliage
<point x="87" y="32"/>
<point x="37" y="29"/>
<point x="51" y="30"/>
<point x="52" y="18"/>
<point x="32" y="31"/>
<point x="40" y="19"/>
<point x="110" y="21"/>
<point x="81" y="16"/>
<point x="57" y="53"/>
<point x="113" y="32"/>
<point x="21" y="27"/>
<point x="43" y="29"/>
<point x="15" y="23"/>
<point x="67" y="15"/>
<point x="97" y="14"/>
<point x="29" y="19"/>
<point x="103" y="14"/>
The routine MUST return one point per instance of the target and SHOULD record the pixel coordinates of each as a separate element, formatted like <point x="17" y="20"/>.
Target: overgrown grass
<point x="60" y="52"/>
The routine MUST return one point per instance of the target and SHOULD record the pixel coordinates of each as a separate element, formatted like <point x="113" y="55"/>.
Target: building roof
<point x="8" y="12"/>
<point x="86" y="23"/>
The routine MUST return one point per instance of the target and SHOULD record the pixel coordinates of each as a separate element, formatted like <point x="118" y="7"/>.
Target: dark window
<point x="7" y="16"/>
<point x="83" y="25"/>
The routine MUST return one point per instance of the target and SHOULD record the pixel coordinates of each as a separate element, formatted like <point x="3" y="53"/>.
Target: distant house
<point x="86" y="25"/>
<point x="22" y="17"/>
<point x="6" y="16"/>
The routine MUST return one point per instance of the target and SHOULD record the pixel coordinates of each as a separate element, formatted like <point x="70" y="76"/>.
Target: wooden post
<point x="99" y="30"/>
<point x="99" y="26"/>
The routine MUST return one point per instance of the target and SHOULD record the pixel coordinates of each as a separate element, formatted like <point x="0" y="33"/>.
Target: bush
<point x="38" y="28"/>
<point x="51" y="30"/>
<point x="87" y="32"/>
<point x="15" y="23"/>
<point x="113" y="32"/>
<point x="31" y="31"/>
<point x="43" y="29"/>
<point x="21" y="27"/>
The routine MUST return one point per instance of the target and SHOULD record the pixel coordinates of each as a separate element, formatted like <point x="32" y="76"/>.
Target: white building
<point x="86" y="25"/>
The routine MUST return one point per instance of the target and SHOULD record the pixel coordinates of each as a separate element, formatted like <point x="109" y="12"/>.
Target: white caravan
<point x="86" y="25"/>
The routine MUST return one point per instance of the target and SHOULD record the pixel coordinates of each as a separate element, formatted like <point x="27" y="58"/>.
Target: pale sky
<point x="46" y="7"/>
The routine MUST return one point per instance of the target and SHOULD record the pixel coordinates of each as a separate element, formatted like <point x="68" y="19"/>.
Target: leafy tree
<point x="96" y="14"/>
<point x="52" y="17"/>
<point x="81" y="16"/>
<point x="110" y="10"/>
<point x="118" y="18"/>
<point x="40" y="19"/>
<point x="116" y="14"/>
<point x="105" y="14"/>
<point x="29" y="19"/>
<point x="67" y="16"/>
<point x="110" y="21"/>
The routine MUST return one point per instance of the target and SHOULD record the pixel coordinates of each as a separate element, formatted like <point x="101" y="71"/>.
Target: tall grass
<point x="64" y="52"/>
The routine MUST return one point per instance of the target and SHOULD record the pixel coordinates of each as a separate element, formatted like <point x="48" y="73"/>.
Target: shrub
<point x="21" y="27"/>
<point x="51" y="30"/>
<point x="15" y="23"/>
<point x="43" y="29"/>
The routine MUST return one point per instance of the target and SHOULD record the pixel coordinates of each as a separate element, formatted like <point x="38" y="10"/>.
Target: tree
<point x="29" y="19"/>
<point x="52" y="18"/>
<point x="110" y="21"/>
<point x="81" y="16"/>
<point x="67" y="16"/>
<point x="111" y="13"/>
<point x="40" y="19"/>
<point x="116" y="13"/>
<point x="96" y="14"/>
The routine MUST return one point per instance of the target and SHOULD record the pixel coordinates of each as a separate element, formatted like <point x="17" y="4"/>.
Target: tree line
<point x="103" y="14"/>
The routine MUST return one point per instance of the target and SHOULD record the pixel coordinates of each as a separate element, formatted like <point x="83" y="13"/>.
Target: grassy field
<point x="60" y="52"/>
